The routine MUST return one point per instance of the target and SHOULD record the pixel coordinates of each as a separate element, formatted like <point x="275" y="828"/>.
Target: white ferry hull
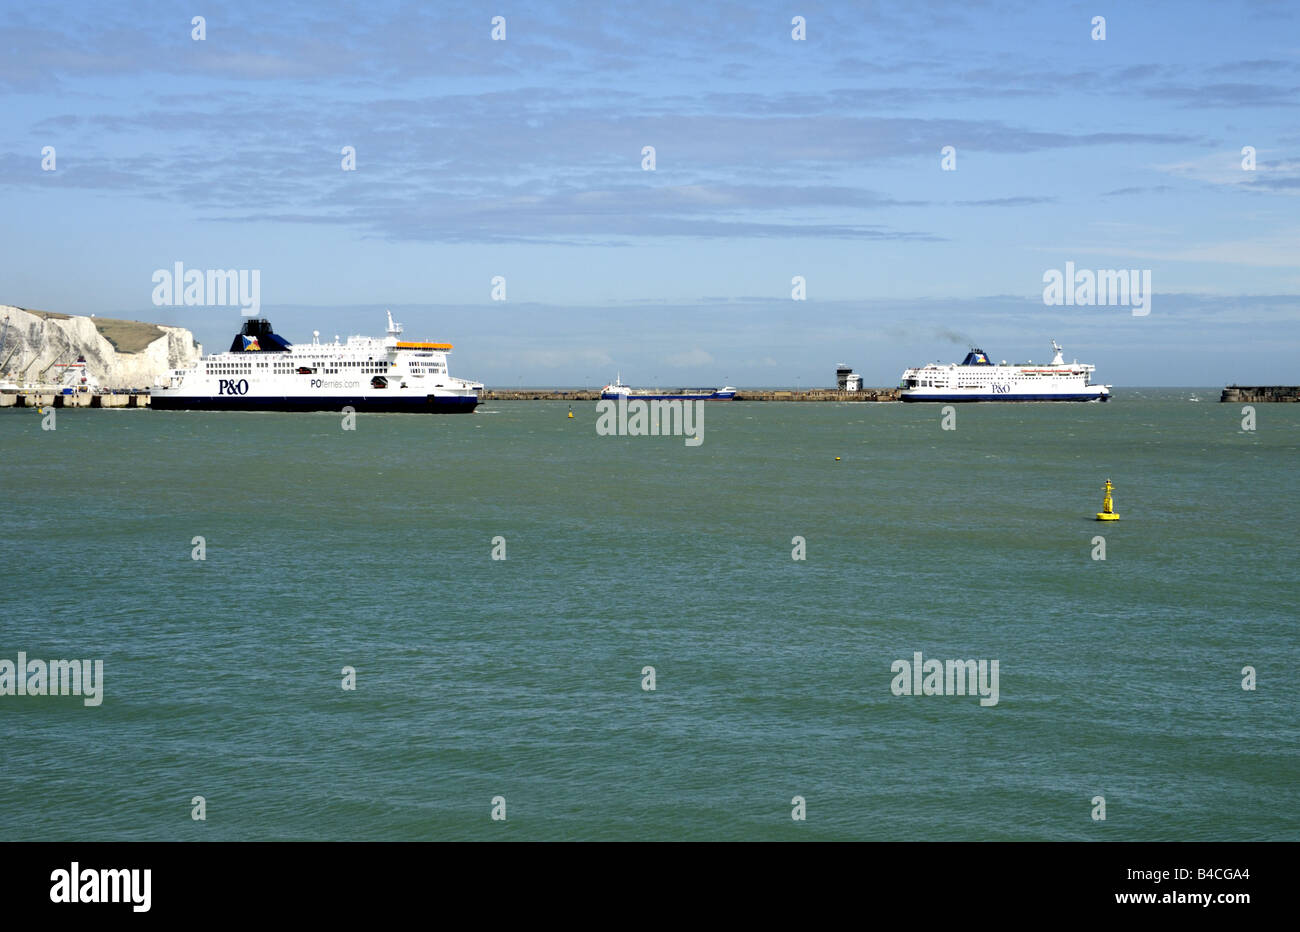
<point x="428" y="404"/>
<point x="1098" y="393"/>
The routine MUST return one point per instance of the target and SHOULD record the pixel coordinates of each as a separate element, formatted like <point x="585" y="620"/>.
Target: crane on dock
<point x="4" y="335"/>
<point x="41" y="375"/>
<point x="22" y="376"/>
<point x="5" y="384"/>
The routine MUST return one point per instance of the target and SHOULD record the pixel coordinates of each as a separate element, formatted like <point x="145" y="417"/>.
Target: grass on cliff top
<point x="127" y="336"/>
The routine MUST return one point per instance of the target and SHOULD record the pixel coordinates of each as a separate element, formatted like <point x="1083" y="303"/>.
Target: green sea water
<point x="522" y="678"/>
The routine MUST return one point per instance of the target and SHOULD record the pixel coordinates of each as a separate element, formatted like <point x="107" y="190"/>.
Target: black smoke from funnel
<point x="952" y="336"/>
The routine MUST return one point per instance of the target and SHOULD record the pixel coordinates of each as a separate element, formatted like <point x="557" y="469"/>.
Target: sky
<point x="820" y="157"/>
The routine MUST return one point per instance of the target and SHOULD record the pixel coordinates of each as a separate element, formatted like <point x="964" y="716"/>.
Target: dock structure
<point x="1257" y="394"/>
<point x="36" y="399"/>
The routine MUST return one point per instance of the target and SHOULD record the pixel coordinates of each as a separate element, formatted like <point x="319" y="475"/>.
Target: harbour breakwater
<point x="1259" y="394"/>
<point x="743" y="394"/>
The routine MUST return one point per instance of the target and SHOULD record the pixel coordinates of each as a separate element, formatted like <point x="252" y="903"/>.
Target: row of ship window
<point x="234" y="368"/>
<point x="928" y="383"/>
<point x="285" y="367"/>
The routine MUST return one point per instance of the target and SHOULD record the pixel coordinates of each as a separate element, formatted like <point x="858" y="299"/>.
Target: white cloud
<point x="1224" y="168"/>
<point x="692" y="357"/>
<point x="1276" y="251"/>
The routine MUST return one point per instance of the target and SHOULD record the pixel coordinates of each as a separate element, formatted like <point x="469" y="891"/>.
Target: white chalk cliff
<point x="118" y="353"/>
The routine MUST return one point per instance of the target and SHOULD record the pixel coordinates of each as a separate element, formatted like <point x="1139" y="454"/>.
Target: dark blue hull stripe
<point x="370" y="404"/>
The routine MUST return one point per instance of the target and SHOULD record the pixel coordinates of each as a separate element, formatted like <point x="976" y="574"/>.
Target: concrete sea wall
<point x="1257" y="394"/>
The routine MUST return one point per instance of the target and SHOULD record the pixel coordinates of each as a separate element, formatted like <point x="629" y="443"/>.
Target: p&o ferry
<point x="976" y="378"/>
<point x="262" y="371"/>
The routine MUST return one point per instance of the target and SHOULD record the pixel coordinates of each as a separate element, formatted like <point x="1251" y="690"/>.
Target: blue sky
<point x="775" y="158"/>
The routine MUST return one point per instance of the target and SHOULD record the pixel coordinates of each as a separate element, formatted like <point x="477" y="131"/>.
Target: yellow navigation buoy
<point x="837" y="459"/>
<point x="570" y="411"/>
<point x="1108" y="512"/>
